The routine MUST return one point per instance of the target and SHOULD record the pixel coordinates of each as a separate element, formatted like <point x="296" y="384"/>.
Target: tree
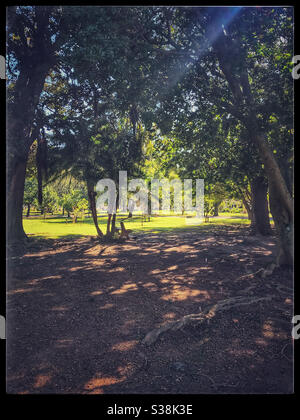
<point x="223" y="53"/>
<point x="30" y="193"/>
<point x="116" y="71"/>
<point x="74" y="203"/>
<point x="246" y="109"/>
<point x="50" y="201"/>
<point x="34" y="37"/>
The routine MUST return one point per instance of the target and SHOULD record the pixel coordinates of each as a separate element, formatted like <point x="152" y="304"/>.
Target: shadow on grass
<point x="33" y="237"/>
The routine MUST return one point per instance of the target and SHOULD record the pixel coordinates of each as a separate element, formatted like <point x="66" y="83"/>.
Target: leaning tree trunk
<point x="281" y="204"/>
<point x="259" y="190"/>
<point x="250" y="212"/>
<point x="281" y="201"/>
<point x="92" y="201"/>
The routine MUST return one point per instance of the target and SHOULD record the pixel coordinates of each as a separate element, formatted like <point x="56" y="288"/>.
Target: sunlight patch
<point x="124" y="345"/>
<point x="125" y="288"/>
<point x="96" y="293"/>
<point x="180" y="293"/>
<point x="16" y="291"/>
<point x="42" y="380"/>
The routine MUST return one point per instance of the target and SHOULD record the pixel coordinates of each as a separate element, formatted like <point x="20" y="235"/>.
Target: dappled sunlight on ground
<point x="178" y="293"/>
<point x="125" y="288"/>
<point x="96" y="293"/>
<point x="106" y="306"/>
<point x="78" y="324"/>
<point x="125" y="345"/>
<point x="16" y="291"/>
<point x="41" y="381"/>
<point x="95" y="385"/>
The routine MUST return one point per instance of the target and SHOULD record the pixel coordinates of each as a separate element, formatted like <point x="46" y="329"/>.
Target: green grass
<point x="56" y="227"/>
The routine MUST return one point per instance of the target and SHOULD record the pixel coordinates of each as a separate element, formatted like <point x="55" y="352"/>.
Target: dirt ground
<point x="77" y="312"/>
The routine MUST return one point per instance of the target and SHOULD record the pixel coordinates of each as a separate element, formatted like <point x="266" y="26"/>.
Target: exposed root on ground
<point x="204" y="316"/>
<point x="262" y="272"/>
<point x="281" y="288"/>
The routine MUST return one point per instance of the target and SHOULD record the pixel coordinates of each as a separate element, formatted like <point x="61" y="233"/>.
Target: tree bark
<point x="272" y="170"/>
<point x="216" y="209"/>
<point x="113" y="224"/>
<point x="249" y="209"/>
<point x="281" y="203"/>
<point x="92" y="201"/>
<point x="284" y="226"/>
<point x="108" y="225"/>
<point x="14" y="203"/>
<point x="259" y="189"/>
<point x="28" y="210"/>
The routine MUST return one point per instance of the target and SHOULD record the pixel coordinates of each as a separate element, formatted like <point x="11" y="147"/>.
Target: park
<point x="117" y="119"/>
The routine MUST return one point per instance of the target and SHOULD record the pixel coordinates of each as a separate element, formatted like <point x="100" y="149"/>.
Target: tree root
<point x="268" y="270"/>
<point x="262" y="272"/>
<point x="204" y="316"/>
<point x="281" y="288"/>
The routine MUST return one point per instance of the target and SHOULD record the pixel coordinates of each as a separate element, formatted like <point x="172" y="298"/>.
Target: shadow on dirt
<point x="77" y="311"/>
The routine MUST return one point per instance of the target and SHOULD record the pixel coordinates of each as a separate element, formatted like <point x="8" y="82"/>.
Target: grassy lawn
<point x="56" y="227"/>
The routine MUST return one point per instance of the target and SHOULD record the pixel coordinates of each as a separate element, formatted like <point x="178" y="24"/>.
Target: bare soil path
<point x="77" y="312"/>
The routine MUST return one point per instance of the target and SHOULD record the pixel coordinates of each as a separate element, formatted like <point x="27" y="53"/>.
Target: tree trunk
<point x="108" y="225"/>
<point x="14" y="203"/>
<point x="284" y="226"/>
<point x="63" y="211"/>
<point x="281" y="201"/>
<point x="113" y="224"/>
<point x="28" y="210"/>
<point x="216" y="209"/>
<point x="21" y="114"/>
<point x="259" y="189"/>
<point x="281" y="204"/>
<point x="249" y="209"/>
<point x="92" y="201"/>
